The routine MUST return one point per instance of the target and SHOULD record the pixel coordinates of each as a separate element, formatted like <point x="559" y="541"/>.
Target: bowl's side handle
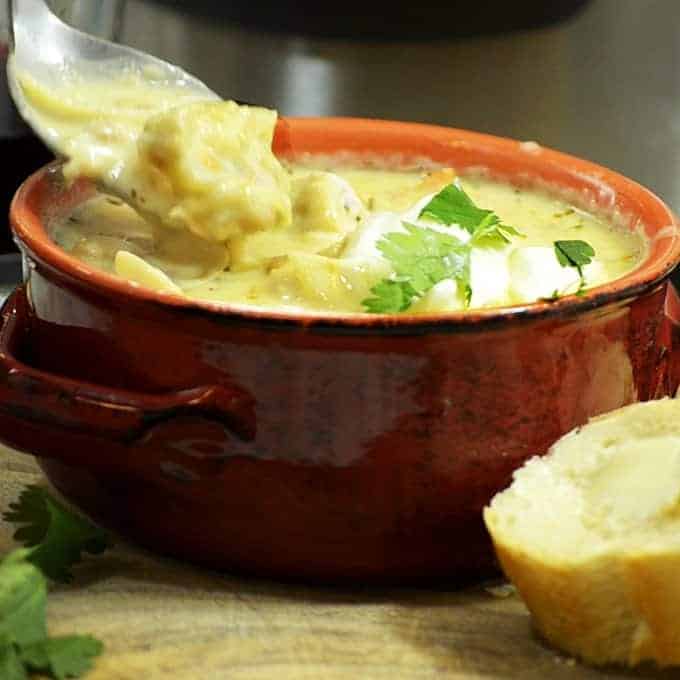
<point x="39" y="401"/>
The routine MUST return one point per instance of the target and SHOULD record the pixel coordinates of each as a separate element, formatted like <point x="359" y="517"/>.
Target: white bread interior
<point x="590" y="536"/>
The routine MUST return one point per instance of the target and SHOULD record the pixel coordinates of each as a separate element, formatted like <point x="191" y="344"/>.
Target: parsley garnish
<point x="57" y="537"/>
<point x="391" y="296"/>
<point x="453" y="206"/>
<point x="68" y="656"/>
<point x="575" y="254"/>
<point x="24" y="643"/>
<point x="423" y="257"/>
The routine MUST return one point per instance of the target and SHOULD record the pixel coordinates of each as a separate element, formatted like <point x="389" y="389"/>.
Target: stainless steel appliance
<point x="602" y="82"/>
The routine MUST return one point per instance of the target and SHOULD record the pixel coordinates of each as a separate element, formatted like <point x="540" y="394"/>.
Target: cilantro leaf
<point x="62" y="657"/>
<point x="391" y="296"/>
<point x="424" y="256"/>
<point x="574" y="253"/>
<point x="11" y="666"/>
<point x="453" y="206"/>
<point x="421" y="258"/>
<point x="493" y="233"/>
<point x="56" y="535"/>
<point x="24" y="644"/>
<point x="23" y="600"/>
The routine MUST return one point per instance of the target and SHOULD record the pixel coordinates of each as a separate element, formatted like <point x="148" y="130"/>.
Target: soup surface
<point x="332" y="258"/>
<point x="195" y="203"/>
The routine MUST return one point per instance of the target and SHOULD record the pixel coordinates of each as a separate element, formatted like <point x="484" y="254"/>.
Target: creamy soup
<point x="195" y="203"/>
<point x="332" y="260"/>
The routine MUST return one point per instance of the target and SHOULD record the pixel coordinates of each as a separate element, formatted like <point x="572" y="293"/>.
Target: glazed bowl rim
<point x="31" y="236"/>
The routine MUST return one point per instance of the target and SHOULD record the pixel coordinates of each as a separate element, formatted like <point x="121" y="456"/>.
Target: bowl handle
<point x="34" y="402"/>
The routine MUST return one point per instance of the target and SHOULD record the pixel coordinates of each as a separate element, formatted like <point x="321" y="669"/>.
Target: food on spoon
<point x="208" y="168"/>
<point x="95" y="123"/>
<point x="590" y="536"/>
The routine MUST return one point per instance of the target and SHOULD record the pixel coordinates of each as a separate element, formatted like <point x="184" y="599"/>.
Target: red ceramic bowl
<point x="332" y="448"/>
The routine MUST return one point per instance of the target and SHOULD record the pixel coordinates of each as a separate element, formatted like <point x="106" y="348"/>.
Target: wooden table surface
<point x="162" y="619"/>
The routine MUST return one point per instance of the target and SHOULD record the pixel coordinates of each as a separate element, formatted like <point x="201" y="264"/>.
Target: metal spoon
<point x="44" y="46"/>
<point x="51" y="52"/>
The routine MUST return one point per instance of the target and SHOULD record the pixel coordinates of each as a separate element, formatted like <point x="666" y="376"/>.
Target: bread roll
<point x="590" y="536"/>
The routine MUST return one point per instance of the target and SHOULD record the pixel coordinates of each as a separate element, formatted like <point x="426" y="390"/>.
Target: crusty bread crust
<point x="617" y="603"/>
<point x="603" y="613"/>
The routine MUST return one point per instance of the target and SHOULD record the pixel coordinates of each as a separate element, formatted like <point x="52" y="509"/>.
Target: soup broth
<point x="330" y="262"/>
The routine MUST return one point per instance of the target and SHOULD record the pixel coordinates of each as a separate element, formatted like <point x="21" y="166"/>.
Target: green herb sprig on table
<point x="56" y="538"/>
<point x="422" y="257"/>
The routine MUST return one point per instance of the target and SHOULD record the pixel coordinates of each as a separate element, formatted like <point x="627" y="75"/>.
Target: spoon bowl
<point x="47" y="48"/>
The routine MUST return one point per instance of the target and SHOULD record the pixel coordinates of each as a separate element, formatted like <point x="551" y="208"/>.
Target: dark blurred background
<point x="596" y="78"/>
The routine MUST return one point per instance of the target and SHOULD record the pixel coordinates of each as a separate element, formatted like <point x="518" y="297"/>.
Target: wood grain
<point x="161" y="619"/>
